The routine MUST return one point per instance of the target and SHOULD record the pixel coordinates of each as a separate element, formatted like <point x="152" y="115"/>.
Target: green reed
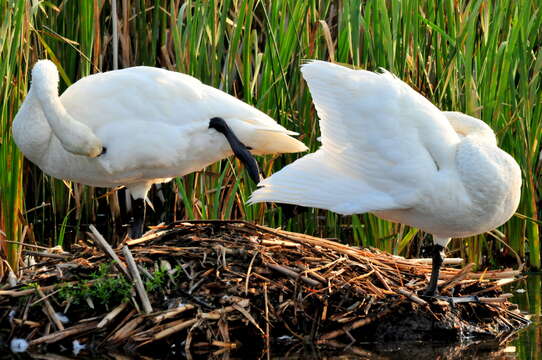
<point x="480" y="57"/>
<point x="13" y="78"/>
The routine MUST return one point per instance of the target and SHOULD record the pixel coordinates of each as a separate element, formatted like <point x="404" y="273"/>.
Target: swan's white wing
<point x="316" y="181"/>
<point x="377" y="126"/>
<point x="157" y="95"/>
<point x="377" y="132"/>
<point x="150" y="118"/>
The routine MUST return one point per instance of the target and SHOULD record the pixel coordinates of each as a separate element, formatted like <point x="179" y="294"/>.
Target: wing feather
<point x="381" y="140"/>
<point x="378" y="128"/>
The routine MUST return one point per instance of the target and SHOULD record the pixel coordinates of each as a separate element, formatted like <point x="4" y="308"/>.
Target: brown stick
<point x="501" y="299"/>
<point x="113" y="314"/>
<point x="381" y="278"/>
<point x="216" y="314"/>
<point x="172" y="313"/>
<point x="498" y="286"/>
<point x="410" y="295"/>
<point x="146" y="238"/>
<point x="28" y="323"/>
<point x="49" y="310"/>
<point x="172" y="330"/>
<point x="126" y="329"/>
<point x="247" y="277"/>
<point x="45" y="254"/>
<point x="18" y="293"/>
<point x="59" y="335"/>
<point x="140" y="288"/>
<point x="149" y="335"/>
<point x="458" y="277"/>
<point x="109" y="251"/>
<point x="293" y="274"/>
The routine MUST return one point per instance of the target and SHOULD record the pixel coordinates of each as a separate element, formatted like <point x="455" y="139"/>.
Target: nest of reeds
<point x="222" y="285"/>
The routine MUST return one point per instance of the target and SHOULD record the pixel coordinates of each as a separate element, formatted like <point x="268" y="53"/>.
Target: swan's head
<point x="82" y="141"/>
<point x="466" y="125"/>
<point x="91" y="149"/>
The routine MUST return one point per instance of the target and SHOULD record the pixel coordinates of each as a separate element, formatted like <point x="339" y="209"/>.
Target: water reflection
<point x="414" y="350"/>
<point x="528" y="295"/>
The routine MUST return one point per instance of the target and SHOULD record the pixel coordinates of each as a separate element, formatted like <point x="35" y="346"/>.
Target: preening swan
<point x="387" y="150"/>
<point x="137" y="127"/>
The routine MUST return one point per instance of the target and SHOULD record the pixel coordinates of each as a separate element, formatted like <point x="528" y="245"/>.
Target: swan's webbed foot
<point x="138" y="213"/>
<point x="239" y="149"/>
<point x="452" y="300"/>
<point x="438" y="258"/>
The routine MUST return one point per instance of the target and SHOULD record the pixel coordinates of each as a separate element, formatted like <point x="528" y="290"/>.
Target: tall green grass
<point x="13" y="77"/>
<point x="480" y="57"/>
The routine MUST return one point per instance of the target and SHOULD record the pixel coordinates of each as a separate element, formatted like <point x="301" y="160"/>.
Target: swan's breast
<point x="492" y="180"/>
<point x="481" y="193"/>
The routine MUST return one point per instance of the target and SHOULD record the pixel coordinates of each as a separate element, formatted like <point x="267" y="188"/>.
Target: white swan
<point x="387" y="150"/>
<point x="137" y="127"/>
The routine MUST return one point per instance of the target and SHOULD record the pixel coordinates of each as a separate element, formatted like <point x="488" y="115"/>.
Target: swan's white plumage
<point x="153" y="123"/>
<point x="317" y="180"/>
<point x="81" y="140"/>
<point x="387" y="150"/>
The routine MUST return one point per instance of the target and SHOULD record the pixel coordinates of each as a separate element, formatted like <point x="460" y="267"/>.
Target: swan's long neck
<point x="31" y="131"/>
<point x="75" y="137"/>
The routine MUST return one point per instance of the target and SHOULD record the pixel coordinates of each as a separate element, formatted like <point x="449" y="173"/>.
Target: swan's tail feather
<point x="271" y="142"/>
<point x="313" y="181"/>
<point x="263" y="135"/>
<point x="75" y="136"/>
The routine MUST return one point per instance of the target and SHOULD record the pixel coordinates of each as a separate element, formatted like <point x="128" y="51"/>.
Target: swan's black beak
<point x="104" y="151"/>
<point x="239" y="149"/>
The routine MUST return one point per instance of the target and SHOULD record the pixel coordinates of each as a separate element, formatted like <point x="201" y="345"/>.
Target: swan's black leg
<point x="239" y="149"/>
<point x="138" y="213"/>
<point x="438" y="259"/>
<point x="290" y="211"/>
<point x="431" y="291"/>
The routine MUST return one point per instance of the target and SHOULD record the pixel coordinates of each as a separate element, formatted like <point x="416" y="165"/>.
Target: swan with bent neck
<point x="387" y="150"/>
<point x="137" y="127"/>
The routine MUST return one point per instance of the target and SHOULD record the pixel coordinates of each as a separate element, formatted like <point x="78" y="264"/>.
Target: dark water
<point x="528" y="345"/>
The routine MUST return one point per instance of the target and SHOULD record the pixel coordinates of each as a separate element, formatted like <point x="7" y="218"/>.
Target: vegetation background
<point x="480" y="57"/>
